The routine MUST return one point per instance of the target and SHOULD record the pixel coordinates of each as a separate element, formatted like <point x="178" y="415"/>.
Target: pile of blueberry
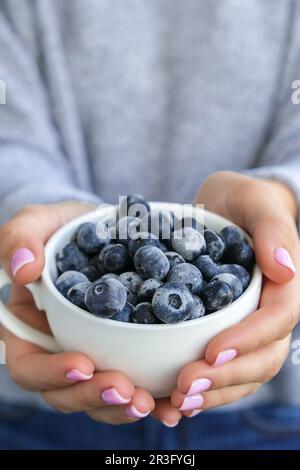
<point x="116" y="270"/>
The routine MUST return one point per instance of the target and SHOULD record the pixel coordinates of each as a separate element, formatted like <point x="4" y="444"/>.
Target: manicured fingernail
<point x="77" y="376"/>
<point x="194" y="413"/>
<point x="112" y="397"/>
<point x="132" y="412"/>
<point x="282" y="256"/>
<point x="199" y="385"/>
<point x="170" y="425"/>
<point x="192" y="402"/>
<point x="20" y="259"/>
<point x="225" y="356"/>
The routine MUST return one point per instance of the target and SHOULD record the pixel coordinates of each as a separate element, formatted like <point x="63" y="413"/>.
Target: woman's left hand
<point x="241" y="358"/>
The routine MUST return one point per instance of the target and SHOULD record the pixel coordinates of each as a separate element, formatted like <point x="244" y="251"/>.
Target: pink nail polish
<point x="22" y="257"/>
<point x="194" y="413"/>
<point x="199" y="385"/>
<point x="225" y="356"/>
<point x="282" y="256"/>
<point x="170" y="425"/>
<point x="132" y="412"/>
<point x="112" y="397"/>
<point x="76" y="376"/>
<point x="191" y="402"/>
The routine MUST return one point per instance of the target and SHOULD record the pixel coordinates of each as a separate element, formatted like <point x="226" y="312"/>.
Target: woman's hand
<point x="67" y="381"/>
<point x="241" y="358"/>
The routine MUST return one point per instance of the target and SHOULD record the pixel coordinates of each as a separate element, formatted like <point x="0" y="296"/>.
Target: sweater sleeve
<point x="33" y="166"/>
<point x="280" y="156"/>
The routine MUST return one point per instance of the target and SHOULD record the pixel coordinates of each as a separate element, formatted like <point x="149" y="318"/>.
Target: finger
<point x="166" y="413"/>
<point x="104" y="389"/>
<point x="267" y="324"/>
<point x="24" y="236"/>
<point x="259" y="367"/>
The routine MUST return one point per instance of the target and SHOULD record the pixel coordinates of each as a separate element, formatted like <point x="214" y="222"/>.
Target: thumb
<point x="24" y="236"/>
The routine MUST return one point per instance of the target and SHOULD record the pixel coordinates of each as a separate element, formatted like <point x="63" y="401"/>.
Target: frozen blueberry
<point x="127" y="228"/>
<point x="106" y="297"/>
<point x="91" y="237"/>
<point x="238" y="271"/>
<point x="134" y="205"/>
<point x="91" y="272"/>
<point x="214" y="245"/>
<point x="234" y="283"/>
<point x="240" y="253"/>
<point x="198" y="309"/>
<point x="231" y="235"/>
<point x="189" y="243"/>
<point x="110" y="276"/>
<point x="174" y="258"/>
<point x="192" y="222"/>
<point x="143" y="313"/>
<point x="147" y="290"/>
<point x="67" y="280"/>
<point x="125" y="315"/>
<point x="131" y="280"/>
<point x="172" y="302"/>
<point x="142" y="239"/>
<point x="76" y="294"/>
<point x="151" y="262"/>
<point x="187" y="274"/>
<point x="159" y="223"/>
<point x="216" y="295"/>
<point x="71" y="258"/>
<point x="114" y="257"/>
<point x="206" y="265"/>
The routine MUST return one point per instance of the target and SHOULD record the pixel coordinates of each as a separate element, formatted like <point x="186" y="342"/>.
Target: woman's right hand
<point x="67" y="380"/>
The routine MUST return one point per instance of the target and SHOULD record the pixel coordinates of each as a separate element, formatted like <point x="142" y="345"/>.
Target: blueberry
<point x="216" y="295"/>
<point x="187" y="274"/>
<point x="67" y="280"/>
<point x="172" y="302"/>
<point x="192" y="222"/>
<point x="189" y="243"/>
<point x="131" y="280"/>
<point x="208" y="268"/>
<point x="142" y="239"/>
<point x="163" y="247"/>
<point x="234" y="283"/>
<point x="91" y="238"/>
<point x="110" y="276"/>
<point x="174" y="258"/>
<point x="240" y="253"/>
<point x="198" y="309"/>
<point x="148" y="289"/>
<point x="214" y="245"/>
<point x="143" y="313"/>
<point x="136" y="205"/>
<point x="231" y="235"/>
<point x="159" y="223"/>
<point x="238" y="271"/>
<point x="125" y="315"/>
<point x="127" y="228"/>
<point x="71" y="258"/>
<point x="91" y="272"/>
<point x="77" y="292"/>
<point x="114" y="257"/>
<point x="151" y="262"/>
<point x="106" y="297"/>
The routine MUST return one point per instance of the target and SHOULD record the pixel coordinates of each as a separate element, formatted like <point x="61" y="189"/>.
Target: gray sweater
<point x="112" y="97"/>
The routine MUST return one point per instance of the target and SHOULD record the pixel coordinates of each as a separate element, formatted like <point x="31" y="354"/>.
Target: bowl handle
<point x="21" y="329"/>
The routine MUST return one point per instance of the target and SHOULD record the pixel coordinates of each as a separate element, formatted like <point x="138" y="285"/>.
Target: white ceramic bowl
<point x="150" y="355"/>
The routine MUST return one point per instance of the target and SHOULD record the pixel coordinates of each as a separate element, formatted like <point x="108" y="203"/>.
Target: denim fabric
<point x="264" y="427"/>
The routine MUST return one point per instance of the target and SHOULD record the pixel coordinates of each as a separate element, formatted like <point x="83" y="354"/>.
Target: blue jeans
<point x="264" y="427"/>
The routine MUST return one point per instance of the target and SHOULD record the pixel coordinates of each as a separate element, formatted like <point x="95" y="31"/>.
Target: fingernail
<point x="170" y="425"/>
<point x="225" y="356"/>
<point x="282" y="256"/>
<point x="194" y="413"/>
<point x="112" y="397"/>
<point x="192" y="402"/>
<point x="199" y="385"/>
<point x="77" y="376"/>
<point x="20" y="259"/>
<point x="132" y="412"/>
